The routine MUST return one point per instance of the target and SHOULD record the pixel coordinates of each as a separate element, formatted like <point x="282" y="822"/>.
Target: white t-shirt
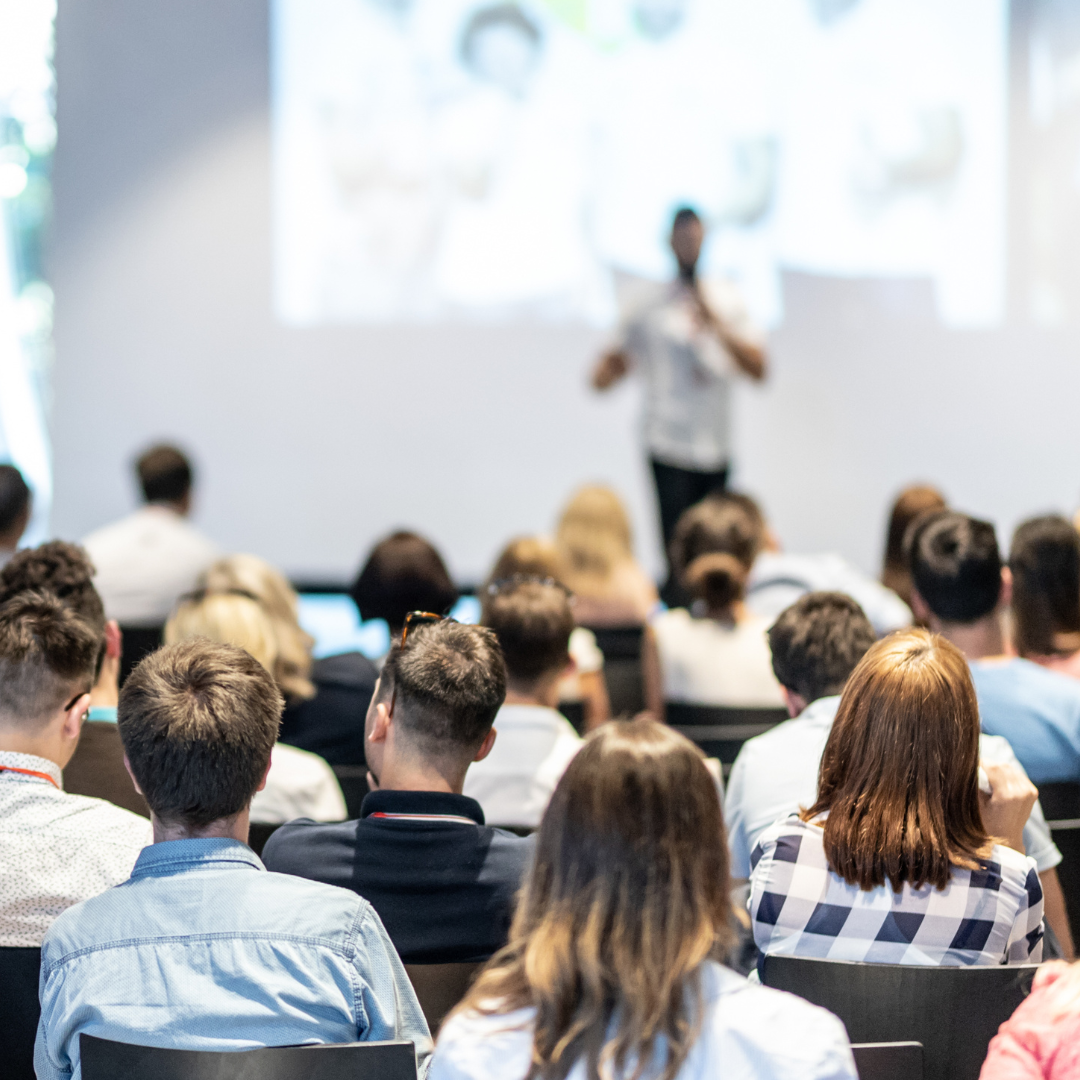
<point x="299" y="784"/>
<point x="710" y="662"/>
<point x="688" y="373"/>
<point x="533" y="746"/>
<point x="145" y="562"/>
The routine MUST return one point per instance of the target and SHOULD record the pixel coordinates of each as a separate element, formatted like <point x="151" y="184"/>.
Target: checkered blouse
<point x="799" y="907"/>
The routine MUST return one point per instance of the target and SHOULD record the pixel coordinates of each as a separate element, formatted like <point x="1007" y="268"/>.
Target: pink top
<point x="1064" y="665"/>
<point x="1033" y="1044"/>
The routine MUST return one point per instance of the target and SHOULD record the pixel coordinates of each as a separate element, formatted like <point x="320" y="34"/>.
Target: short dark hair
<point x="403" y="573"/>
<point x="165" y="474"/>
<point x="46" y="652"/>
<point x="450" y="682"/>
<point x="504" y="14"/>
<point x="955" y="565"/>
<point x="59" y="568"/>
<point x="817" y="642"/>
<point x="533" y="622"/>
<point x="1045" y="563"/>
<point x="14" y="497"/>
<point x="198" y="721"/>
<point x="684" y="215"/>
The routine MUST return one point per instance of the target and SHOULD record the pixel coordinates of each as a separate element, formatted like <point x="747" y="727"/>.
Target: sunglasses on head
<point x="508" y="584"/>
<point x="414" y="620"/>
<point x="197" y="596"/>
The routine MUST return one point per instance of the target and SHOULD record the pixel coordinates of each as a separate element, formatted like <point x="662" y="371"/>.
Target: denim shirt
<point x="204" y="949"/>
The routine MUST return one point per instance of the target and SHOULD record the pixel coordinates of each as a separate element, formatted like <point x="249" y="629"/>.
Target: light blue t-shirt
<point x="1037" y="710"/>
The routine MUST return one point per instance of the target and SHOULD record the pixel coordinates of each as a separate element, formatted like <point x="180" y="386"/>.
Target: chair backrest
<point x="621" y="646"/>
<point x="720" y="730"/>
<point x="103" y="1059"/>
<point x="139" y="641"/>
<point x="354" y="786"/>
<point x="953" y="1011"/>
<point x="258" y="834"/>
<point x="1061" y="806"/>
<point x="574" y="711"/>
<point x="889" y="1061"/>
<point x="19" y="1010"/>
<point x="439" y="987"/>
<point x="1060" y="801"/>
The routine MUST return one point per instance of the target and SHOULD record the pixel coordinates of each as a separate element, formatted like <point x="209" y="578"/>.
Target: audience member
<point x="1045" y="566"/>
<point x="715" y="652"/>
<point x="532" y="556"/>
<point x="595" y="549"/>
<point x="148" y="559"/>
<point x="15" y="507"/>
<point x="816" y="644"/>
<point x="55" y="848"/>
<point x="1041" y="1040"/>
<point x="64" y="571"/>
<point x="910" y="503"/>
<point x="961" y="590"/>
<point x="927" y="871"/>
<point x="299" y="783"/>
<point x="403" y="573"/>
<point x="513" y="783"/>
<point x="325" y="699"/>
<point x="442" y="881"/>
<point x="617" y="946"/>
<point x="203" y="949"/>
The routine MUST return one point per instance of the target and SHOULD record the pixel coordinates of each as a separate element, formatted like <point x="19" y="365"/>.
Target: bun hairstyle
<point x="717" y="578"/>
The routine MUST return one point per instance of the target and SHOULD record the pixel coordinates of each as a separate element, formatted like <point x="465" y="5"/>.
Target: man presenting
<point x="688" y="343"/>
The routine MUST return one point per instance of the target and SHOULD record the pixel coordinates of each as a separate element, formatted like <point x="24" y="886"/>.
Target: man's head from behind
<point x="47" y="658"/>
<point x="816" y="644"/>
<point x="956" y="569"/>
<point x="165" y="476"/>
<point x="435" y="702"/>
<point x="15" y="502"/>
<point x="198" y="721"/>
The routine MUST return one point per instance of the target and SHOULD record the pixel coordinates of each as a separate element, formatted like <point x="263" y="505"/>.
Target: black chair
<point x="439" y="987"/>
<point x="258" y="834"/>
<point x="953" y="1011"/>
<point x="720" y="730"/>
<point x="103" y="1059"/>
<point x="354" y="786"/>
<point x="574" y="711"/>
<point x="621" y="646"/>
<point x="139" y="641"/>
<point x="889" y="1061"/>
<point x="19" y="1010"/>
<point x="1061" y="807"/>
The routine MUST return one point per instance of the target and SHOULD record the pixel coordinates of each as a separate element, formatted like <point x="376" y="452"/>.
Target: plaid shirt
<point x="799" y="907"/>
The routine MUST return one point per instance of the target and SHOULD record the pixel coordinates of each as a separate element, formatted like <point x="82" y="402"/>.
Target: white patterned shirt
<point x="56" y="849"/>
<point x="799" y="907"/>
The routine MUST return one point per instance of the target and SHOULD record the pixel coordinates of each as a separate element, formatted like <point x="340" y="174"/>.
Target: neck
<point x="420" y="774"/>
<point x="976" y="640"/>
<point x="545" y="692"/>
<point x="13" y="741"/>
<point x="231" y="828"/>
<point x="688" y="274"/>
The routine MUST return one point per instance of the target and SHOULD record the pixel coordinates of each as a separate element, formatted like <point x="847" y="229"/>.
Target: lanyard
<point x="31" y="772"/>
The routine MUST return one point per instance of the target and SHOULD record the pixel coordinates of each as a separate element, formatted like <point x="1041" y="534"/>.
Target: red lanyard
<point x="31" y="772"/>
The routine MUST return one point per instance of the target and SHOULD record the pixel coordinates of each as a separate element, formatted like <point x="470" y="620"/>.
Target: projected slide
<point x="463" y="160"/>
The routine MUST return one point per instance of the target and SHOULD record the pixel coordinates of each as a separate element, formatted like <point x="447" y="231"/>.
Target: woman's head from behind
<point x="594" y="535"/>
<point x="911" y="503"/>
<point x="899" y="775"/>
<point x="1045" y="565"/>
<point x="628" y="895"/>
<point x="229" y="618"/>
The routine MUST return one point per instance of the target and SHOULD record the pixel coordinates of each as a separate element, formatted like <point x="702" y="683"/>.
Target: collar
<point x="821" y="711"/>
<point x="173" y="856"/>
<point x="105" y="714"/>
<point x="22" y="767"/>
<point x="426" y="806"/>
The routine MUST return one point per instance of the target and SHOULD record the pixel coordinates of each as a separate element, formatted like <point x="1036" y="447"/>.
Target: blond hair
<point x="226" y="618"/>
<point x="593" y="536"/>
<point x="249" y="573"/>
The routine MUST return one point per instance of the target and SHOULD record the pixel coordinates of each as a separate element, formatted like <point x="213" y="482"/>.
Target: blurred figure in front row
<point x="910" y="503"/>
<point x="617" y="949"/>
<point x="16" y="503"/>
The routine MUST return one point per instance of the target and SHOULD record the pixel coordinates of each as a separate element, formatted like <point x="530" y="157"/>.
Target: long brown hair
<point x="899" y="774"/>
<point x="1045" y="564"/>
<point x="627" y="896"/>
<point x="911" y="503"/>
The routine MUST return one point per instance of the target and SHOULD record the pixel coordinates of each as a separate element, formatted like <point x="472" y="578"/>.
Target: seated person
<point x="513" y="783"/>
<point x="596" y="552"/>
<point x="962" y="591"/>
<point x="97" y="766"/>
<point x="618" y="944"/>
<point x="815" y="645"/>
<point x="326" y="699"/>
<point x="299" y="783"/>
<point x="715" y="652"/>
<point x="901" y="859"/>
<point x="56" y="848"/>
<point x="202" y="949"/>
<point x="148" y="559"/>
<point x="1045" y="565"/>
<point x="910" y="504"/>
<point x="441" y="880"/>
<point x="16" y="503"/>
<point x="403" y="573"/>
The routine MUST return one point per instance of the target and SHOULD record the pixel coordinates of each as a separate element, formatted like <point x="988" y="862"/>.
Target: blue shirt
<point x="1037" y="710"/>
<point x="203" y="949"/>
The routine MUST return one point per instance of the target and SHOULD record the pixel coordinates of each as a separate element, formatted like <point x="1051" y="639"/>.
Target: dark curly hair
<point x="64" y="570"/>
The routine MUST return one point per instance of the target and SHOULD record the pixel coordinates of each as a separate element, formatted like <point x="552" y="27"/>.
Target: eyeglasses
<point x="415" y="619"/>
<point x="507" y="584"/>
<point x="71" y="704"/>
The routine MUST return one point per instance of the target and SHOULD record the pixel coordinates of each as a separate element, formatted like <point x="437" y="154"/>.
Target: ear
<point x="380" y="723"/>
<point x="921" y="609"/>
<point x="127" y="765"/>
<point x="262" y="782"/>
<point x="486" y="745"/>
<point x="114" y="640"/>
<point x="71" y="727"/>
<point x="795" y="702"/>
<point x="1005" y="596"/>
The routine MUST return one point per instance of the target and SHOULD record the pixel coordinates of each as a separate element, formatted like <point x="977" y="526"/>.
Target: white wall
<point x="312" y="443"/>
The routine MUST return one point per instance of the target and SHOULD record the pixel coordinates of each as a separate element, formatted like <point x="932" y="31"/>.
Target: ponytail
<point x="717" y="578"/>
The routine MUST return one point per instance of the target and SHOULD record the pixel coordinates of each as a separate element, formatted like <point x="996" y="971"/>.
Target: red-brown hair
<point x="899" y="775"/>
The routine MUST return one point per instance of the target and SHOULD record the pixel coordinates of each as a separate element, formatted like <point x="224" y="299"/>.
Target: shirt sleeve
<point x="735" y="821"/>
<point x="585" y="652"/>
<point x="1025" y="943"/>
<point x="387" y="1007"/>
<point x="50" y="1058"/>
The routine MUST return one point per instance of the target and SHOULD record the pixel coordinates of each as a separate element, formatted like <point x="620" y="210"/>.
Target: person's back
<point x="56" y="849"/>
<point x="148" y="559"/>
<point x="441" y="880"/>
<point x="203" y="948"/>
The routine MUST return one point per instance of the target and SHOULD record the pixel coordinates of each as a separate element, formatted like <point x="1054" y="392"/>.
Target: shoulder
<point x="791" y="840"/>
<point x="109" y="823"/>
<point x="477" y="1045"/>
<point x="352" y="670"/>
<point x="1017" y="869"/>
<point x="299" y="765"/>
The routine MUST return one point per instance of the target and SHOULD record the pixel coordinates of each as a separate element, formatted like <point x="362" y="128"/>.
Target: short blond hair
<point x="228" y="619"/>
<point x="594" y="535"/>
